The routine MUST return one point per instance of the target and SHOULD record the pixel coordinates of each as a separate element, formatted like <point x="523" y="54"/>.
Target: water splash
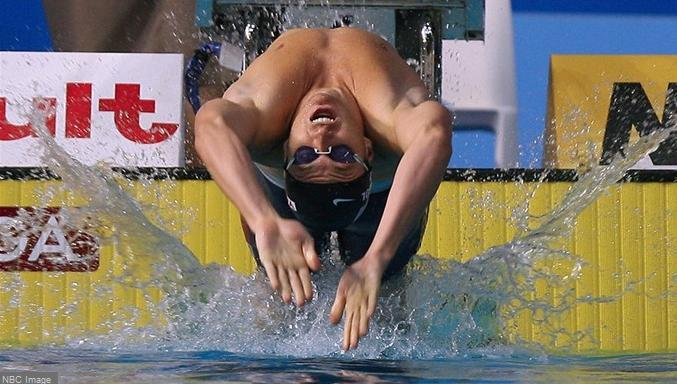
<point x="437" y="309"/>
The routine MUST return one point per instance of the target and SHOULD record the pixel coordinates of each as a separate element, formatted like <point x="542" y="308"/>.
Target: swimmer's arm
<point x="423" y="134"/>
<point x="223" y="132"/>
<point x="245" y="121"/>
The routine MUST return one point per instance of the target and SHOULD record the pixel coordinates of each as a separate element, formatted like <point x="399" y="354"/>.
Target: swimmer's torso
<point x="303" y="60"/>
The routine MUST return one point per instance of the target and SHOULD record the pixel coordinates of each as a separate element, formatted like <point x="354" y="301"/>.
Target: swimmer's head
<point x="328" y="117"/>
<point x="328" y="177"/>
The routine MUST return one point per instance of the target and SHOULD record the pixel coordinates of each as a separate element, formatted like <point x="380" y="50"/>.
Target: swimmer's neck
<point x="330" y="80"/>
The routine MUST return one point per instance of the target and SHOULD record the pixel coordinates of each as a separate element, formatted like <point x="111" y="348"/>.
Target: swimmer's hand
<point x="287" y="252"/>
<point x="356" y="299"/>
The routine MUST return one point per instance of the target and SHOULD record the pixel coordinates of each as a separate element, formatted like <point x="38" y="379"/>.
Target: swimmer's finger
<point x="347" y="327"/>
<point x="312" y="260"/>
<point x="371" y="305"/>
<point x="271" y="272"/>
<point x="364" y="321"/>
<point x="337" y="308"/>
<point x="285" y="290"/>
<point x="304" y="274"/>
<point x="297" y="288"/>
<point x="355" y="328"/>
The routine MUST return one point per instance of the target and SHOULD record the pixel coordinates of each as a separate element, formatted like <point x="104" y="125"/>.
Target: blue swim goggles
<point x="340" y="154"/>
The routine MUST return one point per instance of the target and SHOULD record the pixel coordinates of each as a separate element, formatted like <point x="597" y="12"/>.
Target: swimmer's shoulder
<point x="318" y="37"/>
<point x="301" y="37"/>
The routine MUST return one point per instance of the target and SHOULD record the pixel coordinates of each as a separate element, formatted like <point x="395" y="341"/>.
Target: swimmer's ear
<point x="369" y="150"/>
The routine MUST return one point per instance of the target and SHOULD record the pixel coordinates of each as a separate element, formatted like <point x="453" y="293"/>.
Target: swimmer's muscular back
<point x="303" y="59"/>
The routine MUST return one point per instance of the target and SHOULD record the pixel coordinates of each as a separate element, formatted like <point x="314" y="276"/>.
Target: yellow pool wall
<point x="629" y="234"/>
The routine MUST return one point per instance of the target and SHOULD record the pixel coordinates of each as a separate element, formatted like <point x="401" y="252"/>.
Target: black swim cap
<point x="328" y="207"/>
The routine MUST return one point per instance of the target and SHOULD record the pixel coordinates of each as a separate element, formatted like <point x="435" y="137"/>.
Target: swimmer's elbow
<point x="439" y="140"/>
<point x="428" y="123"/>
<point x="436" y="129"/>
<point x="208" y="121"/>
<point x="441" y="120"/>
<point x="221" y="118"/>
<point x="210" y="116"/>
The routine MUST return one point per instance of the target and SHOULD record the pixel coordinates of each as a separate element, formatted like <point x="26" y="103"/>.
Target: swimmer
<point x="328" y="130"/>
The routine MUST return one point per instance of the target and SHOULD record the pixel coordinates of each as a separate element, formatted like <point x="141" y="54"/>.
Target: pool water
<point x="97" y="366"/>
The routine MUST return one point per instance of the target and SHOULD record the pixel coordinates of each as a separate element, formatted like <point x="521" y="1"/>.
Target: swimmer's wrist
<point x="378" y="259"/>
<point x="265" y="216"/>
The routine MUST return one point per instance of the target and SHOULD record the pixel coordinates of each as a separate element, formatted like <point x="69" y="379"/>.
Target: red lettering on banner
<point x="127" y="106"/>
<point x="37" y="240"/>
<point x="79" y="110"/>
<point x="9" y="131"/>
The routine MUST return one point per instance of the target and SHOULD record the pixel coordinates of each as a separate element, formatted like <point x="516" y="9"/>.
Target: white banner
<point x="120" y="109"/>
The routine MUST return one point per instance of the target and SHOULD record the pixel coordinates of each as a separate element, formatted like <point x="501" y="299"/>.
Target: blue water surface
<point x="96" y="366"/>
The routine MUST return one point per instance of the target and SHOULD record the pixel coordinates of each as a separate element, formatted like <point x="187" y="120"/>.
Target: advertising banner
<point x="119" y="109"/>
<point x="597" y="104"/>
<point x="39" y="239"/>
